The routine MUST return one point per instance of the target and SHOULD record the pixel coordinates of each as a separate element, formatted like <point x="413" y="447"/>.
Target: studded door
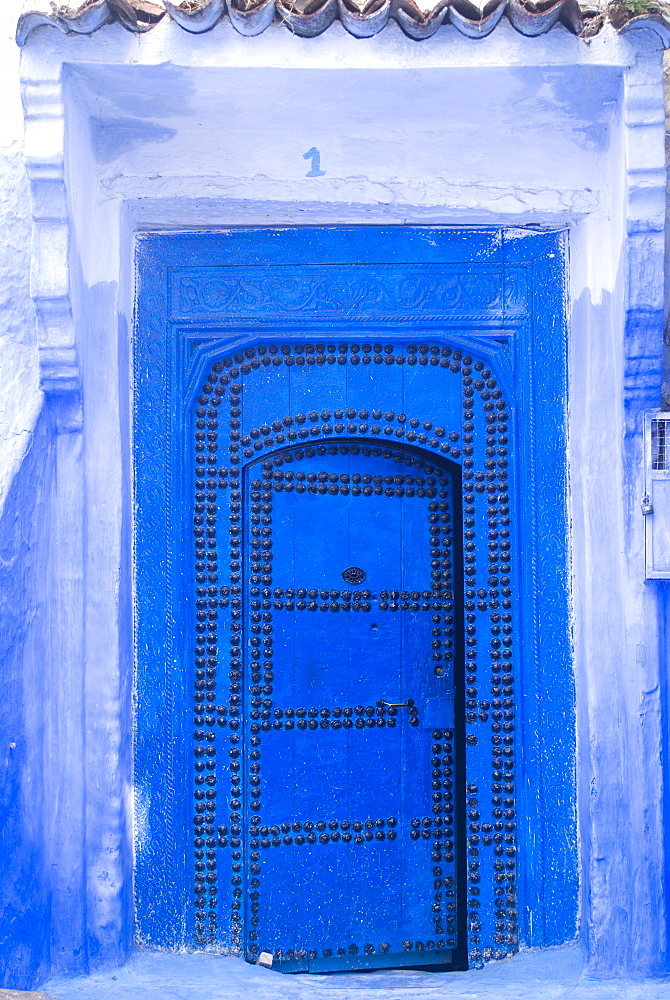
<point x="352" y="633"/>
<point x="409" y="898"/>
<point x="313" y="410"/>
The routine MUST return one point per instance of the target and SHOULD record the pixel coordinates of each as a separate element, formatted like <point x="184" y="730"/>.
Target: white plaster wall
<point x="24" y="478"/>
<point x="171" y="131"/>
<point x="19" y="394"/>
<point x="506" y="131"/>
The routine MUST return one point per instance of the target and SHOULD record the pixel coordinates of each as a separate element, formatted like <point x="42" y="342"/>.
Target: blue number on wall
<point x="314" y="155"/>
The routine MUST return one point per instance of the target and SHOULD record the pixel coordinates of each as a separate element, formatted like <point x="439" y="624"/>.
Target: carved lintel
<point x="370" y="294"/>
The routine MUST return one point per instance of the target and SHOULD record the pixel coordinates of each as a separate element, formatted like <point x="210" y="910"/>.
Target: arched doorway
<point x="353" y="595"/>
<point x="260" y="531"/>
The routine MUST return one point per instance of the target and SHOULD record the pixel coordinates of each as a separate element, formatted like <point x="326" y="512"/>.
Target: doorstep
<point x="22" y="995"/>
<point x="550" y="974"/>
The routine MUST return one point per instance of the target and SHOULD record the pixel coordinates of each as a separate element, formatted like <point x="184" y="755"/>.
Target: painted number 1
<point x="314" y="155"/>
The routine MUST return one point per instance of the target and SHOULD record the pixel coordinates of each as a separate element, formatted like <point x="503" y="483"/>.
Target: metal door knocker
<point x="353" y="575"/>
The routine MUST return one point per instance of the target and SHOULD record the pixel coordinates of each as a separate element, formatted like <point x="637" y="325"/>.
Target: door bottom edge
<point x="446" y="960"/>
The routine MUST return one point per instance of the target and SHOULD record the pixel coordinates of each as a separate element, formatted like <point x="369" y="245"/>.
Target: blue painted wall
<point x="52" y="885"/>
<point x="25" y="897"/>
<point x="59" y="731"/>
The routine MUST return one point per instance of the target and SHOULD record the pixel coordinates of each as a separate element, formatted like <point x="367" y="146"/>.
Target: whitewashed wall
<point x="24" y="467"/>
<point x="509" y="131"/>
<point x="19" y="395"/>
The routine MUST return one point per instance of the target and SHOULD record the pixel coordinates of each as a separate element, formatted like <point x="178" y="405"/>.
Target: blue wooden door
<point x="352" y="625"/>
<point x="314" y="666"/>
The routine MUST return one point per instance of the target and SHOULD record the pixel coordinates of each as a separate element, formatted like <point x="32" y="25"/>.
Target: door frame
<point x="526" y="342"/>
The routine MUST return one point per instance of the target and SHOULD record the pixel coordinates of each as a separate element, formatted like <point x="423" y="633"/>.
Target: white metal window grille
<point x="656" y="499"/>
<point x="660" y="436"/>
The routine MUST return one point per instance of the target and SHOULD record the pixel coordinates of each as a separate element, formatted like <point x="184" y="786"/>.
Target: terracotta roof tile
<point x="361" y="18"/>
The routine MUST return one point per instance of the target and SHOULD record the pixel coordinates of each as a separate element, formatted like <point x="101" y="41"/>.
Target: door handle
<point x="396" y="704"/>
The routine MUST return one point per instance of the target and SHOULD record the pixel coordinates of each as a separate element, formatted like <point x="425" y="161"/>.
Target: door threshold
<point x="443" y="961"/>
